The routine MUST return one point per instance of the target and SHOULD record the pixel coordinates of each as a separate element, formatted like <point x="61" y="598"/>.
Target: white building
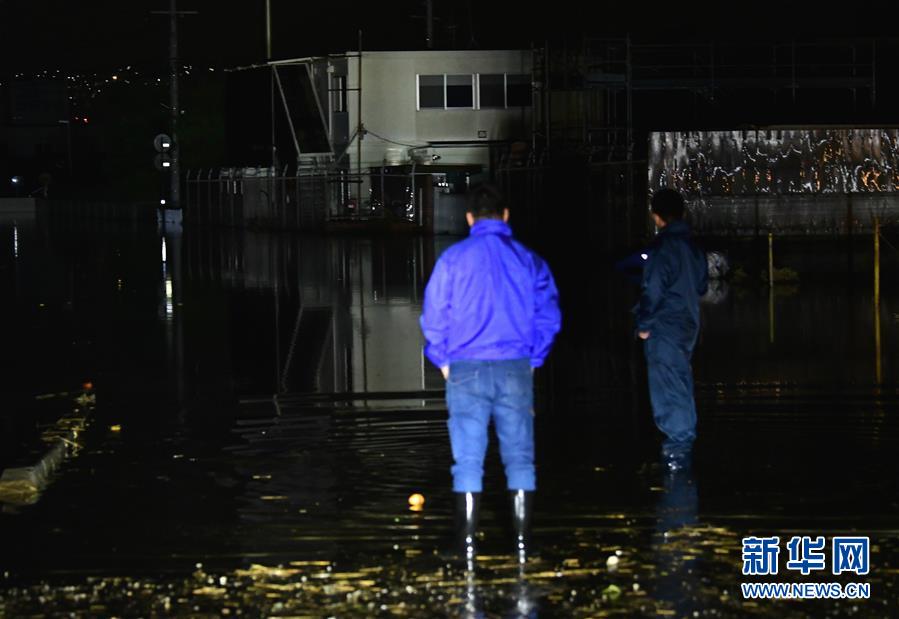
<point x="452" y="104"/>
<point x="385" y="116"/>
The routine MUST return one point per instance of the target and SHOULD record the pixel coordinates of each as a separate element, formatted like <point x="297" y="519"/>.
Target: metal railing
<point x="309" y="197"/>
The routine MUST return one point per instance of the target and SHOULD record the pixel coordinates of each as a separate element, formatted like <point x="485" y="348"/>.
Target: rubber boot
<point x="522" y="508"/>
<point x="468" y="509"/>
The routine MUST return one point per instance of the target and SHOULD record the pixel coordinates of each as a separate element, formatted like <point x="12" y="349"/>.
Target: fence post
<point x="770" y="259"/>
<point x="878" y="364"/>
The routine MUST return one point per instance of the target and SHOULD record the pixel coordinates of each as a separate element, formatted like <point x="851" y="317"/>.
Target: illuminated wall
<point x="804" y="180"/>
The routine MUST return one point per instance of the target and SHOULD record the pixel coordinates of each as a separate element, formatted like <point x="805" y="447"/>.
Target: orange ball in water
<point x="416" y="500"/>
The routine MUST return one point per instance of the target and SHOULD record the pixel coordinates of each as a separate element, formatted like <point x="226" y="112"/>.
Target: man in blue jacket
<point x="674" y="278"/>
<point x="490" y="315"/>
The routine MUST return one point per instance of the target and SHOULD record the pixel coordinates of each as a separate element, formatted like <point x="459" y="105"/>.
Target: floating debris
<point x="86" y="399"/>
<point x="612" y="592"/>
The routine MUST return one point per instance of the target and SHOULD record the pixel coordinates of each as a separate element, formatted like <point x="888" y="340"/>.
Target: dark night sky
<point x="39" y="34"/>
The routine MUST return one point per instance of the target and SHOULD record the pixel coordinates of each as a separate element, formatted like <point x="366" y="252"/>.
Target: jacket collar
<point x="678" y="227"/>
<point x="490" y="226"/>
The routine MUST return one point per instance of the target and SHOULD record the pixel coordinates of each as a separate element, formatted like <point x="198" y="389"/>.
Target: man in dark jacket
<point x="490" y="315"/>
<point x="674" y="278"/>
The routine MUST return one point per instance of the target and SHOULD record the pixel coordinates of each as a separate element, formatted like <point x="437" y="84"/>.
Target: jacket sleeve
<point x="435" y="315"/>
<point x="547" y="316"/>
<point x="654" y="285"/>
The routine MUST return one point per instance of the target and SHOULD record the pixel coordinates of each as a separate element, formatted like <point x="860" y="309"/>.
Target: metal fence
<point x="310" y="198"/>
<point x="301" y="200"/>
<point x="811" y="215"/>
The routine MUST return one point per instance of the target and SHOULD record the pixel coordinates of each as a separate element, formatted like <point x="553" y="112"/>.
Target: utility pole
<point x="173" y="104"/>
<point x="268" y="29"/>
<point x="174" y="109"/>
<point x="430" y="19"/>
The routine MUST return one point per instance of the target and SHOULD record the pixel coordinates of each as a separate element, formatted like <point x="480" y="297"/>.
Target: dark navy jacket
<point x="674" y="278"/>
<point x="490" y="298"/>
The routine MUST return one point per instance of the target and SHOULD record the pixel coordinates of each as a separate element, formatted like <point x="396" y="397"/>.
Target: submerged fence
<point x="424" y="199"/>
<point x="242" y="196"/>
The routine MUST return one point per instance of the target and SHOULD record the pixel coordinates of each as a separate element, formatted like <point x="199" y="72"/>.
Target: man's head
<point x="486" y="202"/>
<point x="667" y="206"/>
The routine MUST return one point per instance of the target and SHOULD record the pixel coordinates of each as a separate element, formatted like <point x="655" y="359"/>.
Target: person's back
<point x="679" y="271"/>
<point x="489" y="317"/>
<point x="674" y="278"/>
<point x="494" y="285"/>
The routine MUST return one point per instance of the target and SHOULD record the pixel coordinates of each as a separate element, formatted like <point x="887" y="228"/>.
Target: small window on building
<point x="492" y="90"/>
<point x="518" y="90"/>
<point x="338" y="93"/>
<point x="460" y="91"/>
<point x="430" y="92"/>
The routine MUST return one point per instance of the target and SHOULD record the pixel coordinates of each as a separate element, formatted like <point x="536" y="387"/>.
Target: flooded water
<point x="259" y="411"/>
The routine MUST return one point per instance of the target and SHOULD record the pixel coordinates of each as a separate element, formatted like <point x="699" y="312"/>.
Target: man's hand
<point x="644" y="335"/>
<point x="445" y="371"/>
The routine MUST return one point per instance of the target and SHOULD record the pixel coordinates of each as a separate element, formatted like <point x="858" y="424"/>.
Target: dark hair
<point x="668" y="204"/>
<point x="486" y="202"/>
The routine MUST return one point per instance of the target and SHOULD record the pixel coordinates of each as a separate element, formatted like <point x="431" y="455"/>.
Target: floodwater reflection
<point x="274" y="413"/>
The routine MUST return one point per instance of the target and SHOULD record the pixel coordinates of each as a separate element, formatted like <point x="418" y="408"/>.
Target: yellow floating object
<point x="115" y="428"/>
<point x="416" y="500"/>
<point x="86" y="398"/>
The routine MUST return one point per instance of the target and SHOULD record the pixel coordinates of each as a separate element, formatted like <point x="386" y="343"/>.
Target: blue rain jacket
<point x="490" y="298"/>
<point x="675" y="276"/>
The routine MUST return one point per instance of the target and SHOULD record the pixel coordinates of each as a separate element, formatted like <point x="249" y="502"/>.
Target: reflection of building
<point x="322" y="315"/>
<point x="387" y="341"/>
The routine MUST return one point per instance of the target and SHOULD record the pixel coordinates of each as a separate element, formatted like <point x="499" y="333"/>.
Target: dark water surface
<point x="263" y="411"/>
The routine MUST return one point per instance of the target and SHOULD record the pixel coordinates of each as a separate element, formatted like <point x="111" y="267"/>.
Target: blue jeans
<point x="476" y="392"/>
<point x="671" y="394"/>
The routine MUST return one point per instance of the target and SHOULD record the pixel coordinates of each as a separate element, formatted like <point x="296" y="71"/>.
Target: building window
<point x="492" y="90"/>
<point x="518" y="90"/>
<point x="460" y="91"/>
<point x="431" y="92"/>
<point x="338" y="93"/>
